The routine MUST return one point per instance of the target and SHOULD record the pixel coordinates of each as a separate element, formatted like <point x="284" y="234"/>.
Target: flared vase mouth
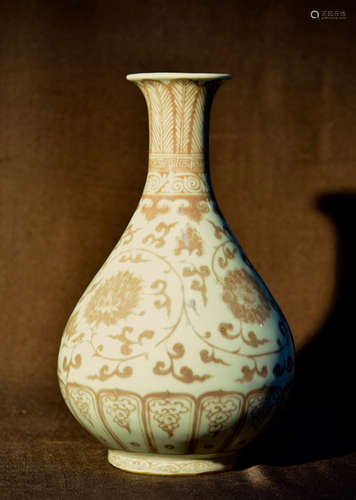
<point x="205" y="77"/>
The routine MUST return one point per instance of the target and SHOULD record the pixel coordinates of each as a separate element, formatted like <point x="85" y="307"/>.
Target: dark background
<point x="73" y="159"/>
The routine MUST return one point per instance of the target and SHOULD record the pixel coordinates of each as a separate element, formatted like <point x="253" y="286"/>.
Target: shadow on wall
<point x="319" y="422"/>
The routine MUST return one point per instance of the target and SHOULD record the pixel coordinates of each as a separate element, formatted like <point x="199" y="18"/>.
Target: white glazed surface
<point x="175" y="76"/>
<point x="176" y="347"/>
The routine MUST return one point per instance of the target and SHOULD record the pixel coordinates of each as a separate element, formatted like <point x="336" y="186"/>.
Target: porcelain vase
<point x="176" y="356"/>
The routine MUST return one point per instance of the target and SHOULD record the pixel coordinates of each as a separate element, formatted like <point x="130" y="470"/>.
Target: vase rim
<point x="177" y="76"/>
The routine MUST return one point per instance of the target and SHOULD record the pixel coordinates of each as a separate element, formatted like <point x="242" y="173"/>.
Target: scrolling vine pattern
<point x="118" y="303"/>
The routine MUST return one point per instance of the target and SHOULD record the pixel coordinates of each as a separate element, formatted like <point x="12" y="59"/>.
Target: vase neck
<point x="178" y="110"/>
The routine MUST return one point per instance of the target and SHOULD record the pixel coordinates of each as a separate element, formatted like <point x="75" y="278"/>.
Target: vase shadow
<point x="319" y="421"/>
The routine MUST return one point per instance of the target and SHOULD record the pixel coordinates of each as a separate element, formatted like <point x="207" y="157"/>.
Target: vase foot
<point x="170" y="465"/>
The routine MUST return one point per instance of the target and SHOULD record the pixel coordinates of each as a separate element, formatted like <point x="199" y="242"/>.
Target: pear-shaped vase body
<point x="176" y="356"/>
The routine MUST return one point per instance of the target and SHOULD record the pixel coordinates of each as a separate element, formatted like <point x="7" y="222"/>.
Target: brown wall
<point x="73" y="143"/>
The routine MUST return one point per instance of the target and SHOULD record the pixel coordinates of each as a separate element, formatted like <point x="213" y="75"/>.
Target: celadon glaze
<point x="176" y="356"/>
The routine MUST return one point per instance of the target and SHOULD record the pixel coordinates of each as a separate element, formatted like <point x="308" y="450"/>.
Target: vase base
<point x="170" y="465"/>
